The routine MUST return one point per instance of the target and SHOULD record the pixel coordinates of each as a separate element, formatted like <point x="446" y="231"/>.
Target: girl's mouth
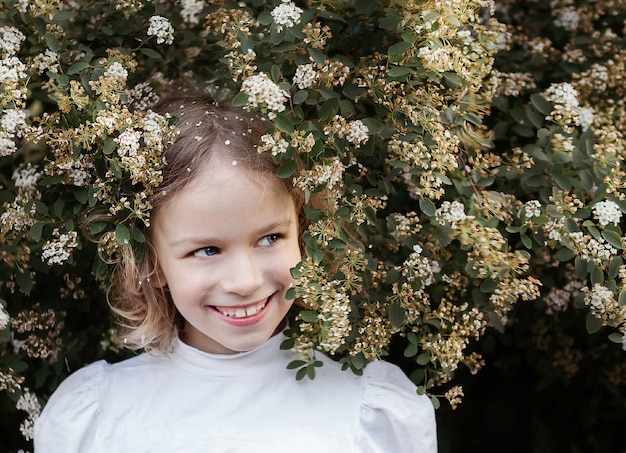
<point x="244" y="311"/>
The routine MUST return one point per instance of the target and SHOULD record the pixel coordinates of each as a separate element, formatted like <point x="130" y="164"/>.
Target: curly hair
<point x="142" y="308"/>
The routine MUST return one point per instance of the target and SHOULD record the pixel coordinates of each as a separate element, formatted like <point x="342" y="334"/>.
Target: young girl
<point x="207" y="302"/>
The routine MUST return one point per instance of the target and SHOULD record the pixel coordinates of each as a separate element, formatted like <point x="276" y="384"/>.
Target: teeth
<point x="242" y="312"/>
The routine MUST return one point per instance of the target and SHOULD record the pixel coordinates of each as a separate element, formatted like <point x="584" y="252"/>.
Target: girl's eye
<point x="205" y="252"/>
<point x="269" y="239"/>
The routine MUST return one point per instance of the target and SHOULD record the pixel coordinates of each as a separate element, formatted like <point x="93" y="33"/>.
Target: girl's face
<point x="225" y="245"/>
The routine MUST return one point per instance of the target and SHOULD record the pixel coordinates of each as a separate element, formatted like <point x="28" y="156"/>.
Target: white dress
<point x="192" y="401"/>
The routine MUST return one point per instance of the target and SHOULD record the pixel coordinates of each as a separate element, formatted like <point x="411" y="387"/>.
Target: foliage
<point x="468" y="163"/>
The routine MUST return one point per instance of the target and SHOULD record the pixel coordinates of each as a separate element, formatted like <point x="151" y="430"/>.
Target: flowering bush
<point x="471" y="157"/>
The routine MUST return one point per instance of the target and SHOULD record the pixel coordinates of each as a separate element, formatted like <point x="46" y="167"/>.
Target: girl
<point x="207" y="302"/>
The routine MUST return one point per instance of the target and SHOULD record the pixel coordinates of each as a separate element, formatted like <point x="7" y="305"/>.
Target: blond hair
<point x="143" y="309"/>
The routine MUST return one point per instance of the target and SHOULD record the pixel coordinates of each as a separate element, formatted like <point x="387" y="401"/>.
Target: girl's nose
<point x="243" y="275"/>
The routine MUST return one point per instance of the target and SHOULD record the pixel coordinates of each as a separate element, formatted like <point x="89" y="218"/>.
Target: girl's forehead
<point x="220" y="174"/>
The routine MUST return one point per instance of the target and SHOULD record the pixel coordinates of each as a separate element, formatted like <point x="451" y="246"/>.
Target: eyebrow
<point x="266" y="229"/>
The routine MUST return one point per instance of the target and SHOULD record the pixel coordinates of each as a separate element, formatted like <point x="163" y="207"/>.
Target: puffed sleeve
<point x="69" y="421"/>
<point x="394" y="418"/>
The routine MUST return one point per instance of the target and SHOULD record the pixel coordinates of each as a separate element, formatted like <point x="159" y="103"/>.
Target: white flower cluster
<point x="555" y="228"/>
<point x="600" y="299"/>
<point x="334" y="313"/>
<point x="190" y="10"/>
<point x="11" y="122"/>
<point x="58" y="251"/>
<point x="567" y="18"/>
<point x="450" y="213"/>
<point x="286" y="15"/>
<point x="417" y="266"/>
<point x="586" y="116"/>
<point x="564" y="95"/>
<point x="77" y="170"/>
<point x="358" y="133"/>
<point x="142" y="96"/>
<point x="28" y="402"/>
<point x="567" y="107"/>
<point x="116" y="71"/>
<point x="532" y="209"/>
<point x="261" y="90"/>
<point x="46" y="61"/>
<point x="162" y="29"/>
<point x="10" y="40"/>
<point x="276" y="146"/>
<point x="305" y="76"/>
<point x="26" y="178"/>
<point x="606" y="212"/>
<point x="4" y="318"/>
<point x="328" y="174"/>
<point x="11" y="71"/>
<point x="128" y="143"/>
<point x="591" y="249"/>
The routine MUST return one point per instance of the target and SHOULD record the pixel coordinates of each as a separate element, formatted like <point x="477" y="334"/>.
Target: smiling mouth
<point x="243" y="312"/>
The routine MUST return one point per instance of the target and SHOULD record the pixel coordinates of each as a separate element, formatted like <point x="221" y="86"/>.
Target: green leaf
<point x="411" y="350"/>
<point x="35" y="231"/>
<point x="541" y="104"/>
<point x="77" y="67"/>
<point x="241" y="99"/>
<point x="613" y="238"/>
<point x="122" y="234"/>
<point x="287" y="169"/>
<point x="593" y="324"/>
<point x="300" y="96"/>
<point x="399" y="47"/>
<point x="309" y="316"/>
<point x="296" y="364"/>
<point x="427" y="206"/>
<point x="396" y="315"/>
<point x="399" y="72"/>
<point x="97" y="227"/>
<point x="423" y="359"/>
<point x="150" y="53"/>
<point x="265" y="18"/>
<point x="283" y="123"/>
<point x="301" y="374"/>
<point x="52" y="42"/>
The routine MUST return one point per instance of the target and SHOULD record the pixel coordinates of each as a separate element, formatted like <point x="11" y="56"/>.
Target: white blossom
<point x="10" y="40"/>
<point x="305" y="76"/>
<point x="358" y="133"/>
<point x="286" y="15"/>
<point x="600" y="298"/>
<point x="28" y="402"/>
<point x="116" y="70"/>
<point x="128" y="143"/>
<point x="607" y="212"/>
<point x="450" y="212"/>
<point x="4" y="318"/>
<point x="564" y="95"/>
<point x="12" y="120"/>
<point x="46" y="61"/>
<point x="585" y="116"/>
<point x="162" y="29"/>
<point x="190" y="10"/>
<point x="7" y="145"/>
<point x="262" y="90"/>
<point x="567" y="18"/>
<point x="26" y="177"/>
<point x="532" y="209"/>
<point x="11" y="70"/>
<point x="58" y="251"/>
